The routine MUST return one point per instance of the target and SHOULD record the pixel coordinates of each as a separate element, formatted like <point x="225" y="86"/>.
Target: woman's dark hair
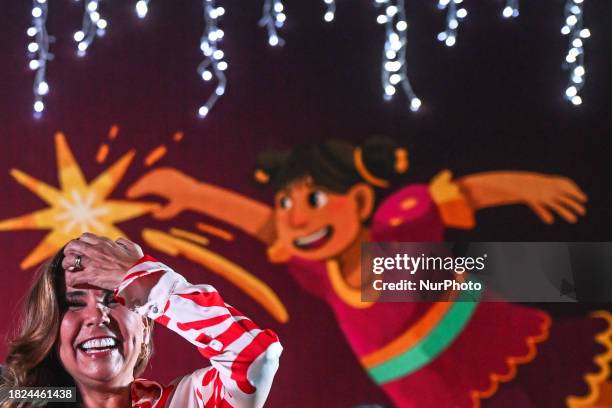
<point x="336" y="165"/>
<point x="32" y="359"/>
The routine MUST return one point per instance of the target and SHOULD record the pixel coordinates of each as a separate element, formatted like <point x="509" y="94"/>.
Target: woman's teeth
<point x="98" y="344"/>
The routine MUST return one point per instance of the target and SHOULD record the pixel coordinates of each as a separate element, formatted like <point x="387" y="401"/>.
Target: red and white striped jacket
<point x="244" y="358"/>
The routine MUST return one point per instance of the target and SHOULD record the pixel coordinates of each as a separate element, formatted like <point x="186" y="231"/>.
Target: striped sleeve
<point x="243" y="357"/>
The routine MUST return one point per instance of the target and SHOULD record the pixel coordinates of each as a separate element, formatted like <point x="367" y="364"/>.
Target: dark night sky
<point x="494" y="101"/>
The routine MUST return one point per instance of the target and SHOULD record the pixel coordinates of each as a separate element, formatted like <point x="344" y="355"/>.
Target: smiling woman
<point x="88" y="322"/>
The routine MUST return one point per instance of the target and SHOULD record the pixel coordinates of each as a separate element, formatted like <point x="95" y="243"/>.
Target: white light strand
<point x="38" y="50"/>
<point x="511" y="10"/>
<point x="454" y="15"/>
<point x="142" y="8"/>
<point x="392" y="15"/>
<point x="93" y="24"/>
<point x="273" y="18"/>
<point x="330" y="12"/>
<point x="213" y="65"/>
<point x="574" y="59"/>
<point x="394" y="69"/>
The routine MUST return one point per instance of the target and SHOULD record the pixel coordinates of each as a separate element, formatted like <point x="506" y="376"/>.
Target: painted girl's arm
<point x="244" y="358"/>
<point x="544" y="194"/>
<point x="454" y="209"/>
<point x="183" y="192"/>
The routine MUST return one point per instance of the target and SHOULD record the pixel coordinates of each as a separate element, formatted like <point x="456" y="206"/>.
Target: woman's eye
<point x="75" y="305"/>
<point x="286" y="203"/>
<point x="317" y="199"/>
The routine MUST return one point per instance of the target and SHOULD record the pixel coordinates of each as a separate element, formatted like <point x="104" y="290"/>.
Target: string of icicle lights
<point x="574" y="60"/>
<point x="38" y="50"/>
<point x="213" y="65"/>
<point x="454" y="14"/>
<point x="391" y="14"/>
<point x="394" y="64"/>
<point x="93" y="25"/>
<point x="272" y="19"/>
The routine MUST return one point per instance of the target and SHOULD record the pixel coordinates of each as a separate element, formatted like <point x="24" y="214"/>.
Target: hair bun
<point x="385" y="159"/>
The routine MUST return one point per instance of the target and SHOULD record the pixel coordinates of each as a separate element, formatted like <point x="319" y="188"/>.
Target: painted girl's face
<point x="100" y="340"/>
<point x="314" y="223"/>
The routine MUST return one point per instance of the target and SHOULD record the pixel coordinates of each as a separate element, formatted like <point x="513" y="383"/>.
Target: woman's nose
<point x="97" y="315"/>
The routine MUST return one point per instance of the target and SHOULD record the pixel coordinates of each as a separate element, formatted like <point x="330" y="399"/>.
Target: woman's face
<point x="314" y="223"/>
<point x="100" y="340"/>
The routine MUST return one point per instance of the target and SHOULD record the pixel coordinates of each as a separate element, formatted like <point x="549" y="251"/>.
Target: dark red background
<point x="494" y="101"/>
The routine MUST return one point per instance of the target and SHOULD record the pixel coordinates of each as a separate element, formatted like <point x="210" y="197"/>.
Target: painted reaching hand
<point x="545" y="194"/>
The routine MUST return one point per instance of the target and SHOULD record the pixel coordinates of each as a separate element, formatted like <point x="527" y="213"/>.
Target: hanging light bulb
<point x="511" y="10"/>
<point x="330" y="11"/>
<point x="142" y="8"/>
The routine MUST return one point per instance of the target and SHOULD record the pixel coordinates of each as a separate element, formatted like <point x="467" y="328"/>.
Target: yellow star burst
<point x="76" y="207"/>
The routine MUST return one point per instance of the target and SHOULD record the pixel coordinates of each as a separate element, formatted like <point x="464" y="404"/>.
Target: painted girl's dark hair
<point x="336" y="165"/>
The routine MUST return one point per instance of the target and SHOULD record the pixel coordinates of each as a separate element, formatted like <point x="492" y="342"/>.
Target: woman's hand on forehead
<point x="92" y="260"/>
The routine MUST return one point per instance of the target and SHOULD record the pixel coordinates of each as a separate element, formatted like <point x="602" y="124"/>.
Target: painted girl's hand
<point x="546" y="195"/>
<point x="103" y="263"/>
<point x="168" y="183"/>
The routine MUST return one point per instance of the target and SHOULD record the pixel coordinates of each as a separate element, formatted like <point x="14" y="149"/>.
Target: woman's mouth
<point x="99" y="347"/>
<point x="314" y="240"/>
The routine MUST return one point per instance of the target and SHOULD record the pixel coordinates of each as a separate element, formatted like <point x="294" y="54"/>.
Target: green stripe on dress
<point x="429" y="347"/>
